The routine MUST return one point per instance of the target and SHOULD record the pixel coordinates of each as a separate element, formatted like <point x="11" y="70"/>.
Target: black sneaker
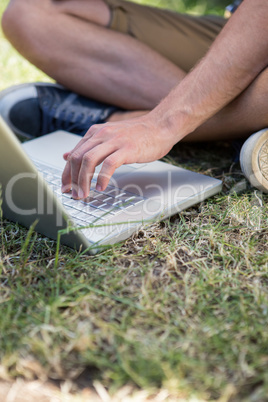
<point x="32" y="110"/>
<point x="254" y="160"/>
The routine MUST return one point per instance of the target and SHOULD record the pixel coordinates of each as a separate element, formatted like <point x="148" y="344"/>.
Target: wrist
<point x="173" y="123"/>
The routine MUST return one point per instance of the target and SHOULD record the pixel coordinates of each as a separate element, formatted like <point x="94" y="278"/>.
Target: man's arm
<point x="236" y="57"/>
<point x="234" y="60"/>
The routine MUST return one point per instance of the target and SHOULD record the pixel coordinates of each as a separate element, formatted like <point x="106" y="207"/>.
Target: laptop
<point x="137" y="194"/>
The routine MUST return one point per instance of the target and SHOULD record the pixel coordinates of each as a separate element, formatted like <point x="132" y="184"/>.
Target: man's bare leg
<point x="81" y="53"/>
<point x="242" y="117"/>
<point x="87" y="57"/>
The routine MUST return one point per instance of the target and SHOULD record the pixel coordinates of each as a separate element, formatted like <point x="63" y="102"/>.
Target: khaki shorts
<point x="181" y="38"/>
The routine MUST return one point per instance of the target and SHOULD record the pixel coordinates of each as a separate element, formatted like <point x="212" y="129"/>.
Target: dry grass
<point x="177" y="312"/>
<point x="181" y="306"/>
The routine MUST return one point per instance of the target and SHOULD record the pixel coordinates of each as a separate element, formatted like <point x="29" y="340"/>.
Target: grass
<point x="179" y="311"/>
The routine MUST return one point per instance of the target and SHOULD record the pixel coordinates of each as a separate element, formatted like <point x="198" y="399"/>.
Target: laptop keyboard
<point x="98" y="206"/>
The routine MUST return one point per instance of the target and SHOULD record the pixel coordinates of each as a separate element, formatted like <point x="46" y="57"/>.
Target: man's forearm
<point x="237" y="56"/>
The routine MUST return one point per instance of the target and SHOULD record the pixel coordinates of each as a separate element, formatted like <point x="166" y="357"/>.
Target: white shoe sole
<point x="254" y="160"/>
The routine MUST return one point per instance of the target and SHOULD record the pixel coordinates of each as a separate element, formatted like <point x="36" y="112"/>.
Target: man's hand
<point x="236" y="57"/>
<point x="137" y="140"/>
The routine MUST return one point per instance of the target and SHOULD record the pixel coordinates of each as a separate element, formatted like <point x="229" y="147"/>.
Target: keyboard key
<point x="111" y="209"/>
<point x="97" y="207"/>
<point x="112" y="192"/>
<point x="84" y="216"/>
<point x="93" y="195"/>
<point x="56" y="181"/>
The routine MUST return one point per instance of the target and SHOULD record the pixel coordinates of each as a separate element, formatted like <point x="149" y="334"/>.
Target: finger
<point x="89" y="134"/>
<point x="66" y="155"/>
<point x="66" y="179"/>
<point x="75" y="158"/>
<point x="110" y="164"/>
<point x="90" y="160"/>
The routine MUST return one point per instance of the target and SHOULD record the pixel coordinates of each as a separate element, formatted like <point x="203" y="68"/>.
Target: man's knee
<point x="16" y="21"/>
<point x="25" y="22"/>
<point x="20" y="23"/>
<point x="10" y="18"/>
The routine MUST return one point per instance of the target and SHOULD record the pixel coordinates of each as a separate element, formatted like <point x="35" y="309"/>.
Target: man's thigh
<point x="183" y="39"/>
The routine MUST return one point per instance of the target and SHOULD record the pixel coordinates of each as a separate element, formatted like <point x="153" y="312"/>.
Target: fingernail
<point x="98" y="187"/>
<point x="80" y="193"/>
<point x="65" y="188"/>
<point x="74" y="194"/>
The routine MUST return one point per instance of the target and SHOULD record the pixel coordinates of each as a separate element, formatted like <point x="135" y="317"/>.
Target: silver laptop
<point x="138" y="194"/>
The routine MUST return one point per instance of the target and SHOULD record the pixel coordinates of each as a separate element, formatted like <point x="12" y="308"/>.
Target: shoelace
<point x="65" y="115"/>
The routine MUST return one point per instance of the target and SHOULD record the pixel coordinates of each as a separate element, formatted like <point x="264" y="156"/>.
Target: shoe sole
<point x="254" y="160"/>
<point x="7" y="93"/>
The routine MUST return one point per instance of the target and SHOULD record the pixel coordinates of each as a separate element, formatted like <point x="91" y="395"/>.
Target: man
<point x="174" y="76"/>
